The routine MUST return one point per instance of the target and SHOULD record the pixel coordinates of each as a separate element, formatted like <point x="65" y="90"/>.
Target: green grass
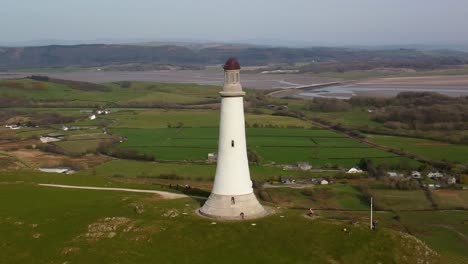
<point x="349" y="197"/>
<point x="426" y="148"/>
<point x="187" y="171"/>
<point x="138" y="92"/>
<point x="281" y="145"/>
<point x="60" y="220"/>
<point x="400" y="200"/>
<point x="157" y="118"/>
<point x="337" y="196"/>
<point x="441" y="230"/>
<point x="355" y="118"/>
<point x="451" y="199"/>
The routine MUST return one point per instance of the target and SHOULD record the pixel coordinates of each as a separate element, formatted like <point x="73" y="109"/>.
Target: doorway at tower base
<point x="233" y="207"/>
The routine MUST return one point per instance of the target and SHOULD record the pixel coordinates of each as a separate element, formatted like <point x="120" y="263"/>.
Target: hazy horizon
<point x="297" y="22"/>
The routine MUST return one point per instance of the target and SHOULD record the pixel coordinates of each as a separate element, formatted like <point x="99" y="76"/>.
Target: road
<point x="165" y="195"/>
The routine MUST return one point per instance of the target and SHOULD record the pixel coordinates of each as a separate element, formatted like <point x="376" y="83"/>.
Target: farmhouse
<point x="435" y="175"/>
<point x="323" y="182"/>
<point x="13" y="127"/>
<point x="393" y="174"/>
<point x="287" y="180"/>
<point x="451" y="180"/>
<point x="416" y="174"/>
<point x="304" y="166"/>
<point x="212" y="157"/>
<point x="52" y="137"/>
<point x="288" y="167"/>
<point x="354" y="170"/>
<point x="57" y="170"/>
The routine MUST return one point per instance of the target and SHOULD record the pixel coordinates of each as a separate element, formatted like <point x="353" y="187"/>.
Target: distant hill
<point x="12" y="58"/>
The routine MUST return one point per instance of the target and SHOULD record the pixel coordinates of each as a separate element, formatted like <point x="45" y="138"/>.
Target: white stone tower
<point x="232" y="196"/>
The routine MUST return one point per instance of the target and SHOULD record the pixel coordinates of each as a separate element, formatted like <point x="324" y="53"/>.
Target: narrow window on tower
<point x="237" y="77"/>
<point x="232" y="143"/>
<point x="232" y="77"/>
<point x="226" y="77"/>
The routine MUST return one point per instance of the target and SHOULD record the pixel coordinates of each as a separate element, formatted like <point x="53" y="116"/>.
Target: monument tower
<point x="232" y="196"/>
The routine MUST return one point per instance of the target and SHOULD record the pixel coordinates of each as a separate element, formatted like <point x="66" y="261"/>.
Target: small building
<point x="451" y="180"/>
<point x="288" y="167"/>
<point x="57" y="170"/>
<point x="392" y="174"/>
<point x="416" y="174"/>
<point x="323" y="182"/>
<point x="212" y="157"/>
<point x="435" y="175"/>
<point x="354" y="170"/>
<point x="13" y="127"/>
<point x="304" y="166"/>
<point x="52" y="137"/>
<point x="313" y="181"/>
<point x="287" y="180"/>
<point x="71" y="128"/>
<point x="92" y="117"/>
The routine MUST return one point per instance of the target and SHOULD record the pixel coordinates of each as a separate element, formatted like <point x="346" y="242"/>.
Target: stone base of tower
<point x="231" y="207"/>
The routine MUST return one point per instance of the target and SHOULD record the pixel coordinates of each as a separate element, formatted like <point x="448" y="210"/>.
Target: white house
<point x="45" y="139"/>
<point x="304" y="166"/>
<point x="354" y="170"/>
<point x="57" y="170"/>
<point x="416" y="174"/>
<point x="14" y="127"/>
<point x="451" y="180"/>
<point x="435" y="174"/>
<point x="52" y="137"/>
<point x="212" y="157"/>
<point x="323" y="182"/>
<point x="92" y="117"/>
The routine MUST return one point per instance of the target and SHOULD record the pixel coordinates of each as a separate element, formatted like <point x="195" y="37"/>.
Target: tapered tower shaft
<point x="232" y="196"/>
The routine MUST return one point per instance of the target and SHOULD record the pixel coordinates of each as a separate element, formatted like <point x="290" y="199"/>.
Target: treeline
<point x="324" y="59"/>
<point x="32" y="119"/>
<point x="425" y="110"/>
<point x="82" y="86"/>
<point x="417" y="63"/>
<point x="109" y="148"/>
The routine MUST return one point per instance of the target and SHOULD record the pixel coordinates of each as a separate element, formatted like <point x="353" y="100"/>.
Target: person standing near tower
<point x="232" y="192"/>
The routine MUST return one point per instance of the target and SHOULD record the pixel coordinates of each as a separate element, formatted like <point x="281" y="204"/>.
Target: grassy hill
<point x="57" y="225"/>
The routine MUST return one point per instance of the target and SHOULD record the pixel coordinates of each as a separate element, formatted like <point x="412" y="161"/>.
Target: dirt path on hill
<point x="165" y="195"/>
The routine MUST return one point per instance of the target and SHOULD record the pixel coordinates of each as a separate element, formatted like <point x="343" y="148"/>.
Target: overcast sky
<point x="319" y="22"/>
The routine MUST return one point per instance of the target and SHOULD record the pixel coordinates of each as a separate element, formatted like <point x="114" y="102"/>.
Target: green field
<point x="280" y="145"/>
<point x="451" y="199"/>
<point x="51" y="225"/>
<point x="188" y="171"/>
<point x="426" y="148"/>
<point x="319" y="197"/>
<point x="386" y="199"/>
<point x="136" y="92"/>
<point x="446" y="231"/>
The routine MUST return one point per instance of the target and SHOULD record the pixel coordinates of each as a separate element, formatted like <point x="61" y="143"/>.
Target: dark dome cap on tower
<point x="231" y="64"/>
